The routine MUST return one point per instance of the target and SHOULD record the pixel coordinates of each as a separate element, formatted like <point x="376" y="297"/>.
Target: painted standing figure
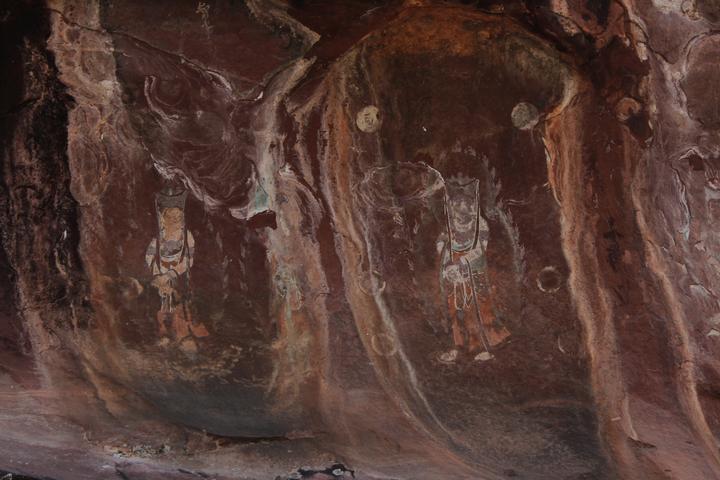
<point x="475" y="329"/>
<point x="170" y="256"/>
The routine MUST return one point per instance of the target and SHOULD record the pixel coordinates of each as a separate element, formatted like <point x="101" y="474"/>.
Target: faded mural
<point x="313" y="235"/>
<point x="169" y="257"/>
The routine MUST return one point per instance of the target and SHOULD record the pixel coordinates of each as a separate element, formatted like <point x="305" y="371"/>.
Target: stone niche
<point x="368" y="239"/>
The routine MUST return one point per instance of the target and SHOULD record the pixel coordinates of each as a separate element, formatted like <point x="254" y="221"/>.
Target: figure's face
<point x="463" y="216"/>
<point x="463" y="211"/>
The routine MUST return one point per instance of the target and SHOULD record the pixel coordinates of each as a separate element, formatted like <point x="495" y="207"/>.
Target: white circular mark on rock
<point x="549" y="280"/>
<point x="627" y="107"/>
<point x="368" y="119"/>
<point x="383" y="344"/>
<point x="525" y="116"/>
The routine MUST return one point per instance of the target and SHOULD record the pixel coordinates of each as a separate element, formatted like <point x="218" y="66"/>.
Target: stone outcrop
<point x="360" y="239"/>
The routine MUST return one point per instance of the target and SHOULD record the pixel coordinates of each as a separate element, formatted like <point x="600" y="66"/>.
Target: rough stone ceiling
<point x="334" y="239"/>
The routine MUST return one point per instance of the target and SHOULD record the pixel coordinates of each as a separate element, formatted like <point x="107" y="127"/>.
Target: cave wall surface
<point x="369" y="239"/>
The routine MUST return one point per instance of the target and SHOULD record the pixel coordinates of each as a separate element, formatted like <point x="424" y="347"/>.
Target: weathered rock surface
<point x="360" y="239"/>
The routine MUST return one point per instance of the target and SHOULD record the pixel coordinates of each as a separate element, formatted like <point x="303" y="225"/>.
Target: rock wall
<point x="360" y="239"/>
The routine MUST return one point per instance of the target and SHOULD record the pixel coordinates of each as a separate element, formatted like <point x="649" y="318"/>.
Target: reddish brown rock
<point x="360" y="239"/>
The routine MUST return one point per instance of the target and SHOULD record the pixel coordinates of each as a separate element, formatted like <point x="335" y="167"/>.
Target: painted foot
<point x="483" y="357"/>
<point x="449" y="357"/>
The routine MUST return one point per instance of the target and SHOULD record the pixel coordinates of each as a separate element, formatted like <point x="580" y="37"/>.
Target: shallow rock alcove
<point x="420" y="239"/>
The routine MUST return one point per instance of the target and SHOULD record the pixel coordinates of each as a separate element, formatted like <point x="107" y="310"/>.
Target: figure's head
<point x="464" y="212"/>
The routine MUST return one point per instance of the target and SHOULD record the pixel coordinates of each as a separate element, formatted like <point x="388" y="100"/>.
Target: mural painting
<point x="475" y="330"/>
<point x="169" y="256"/>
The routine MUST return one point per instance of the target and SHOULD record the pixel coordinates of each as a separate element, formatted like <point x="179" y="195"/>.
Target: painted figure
<point x="475" y="329"/>
<point x="170" y="256"/>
